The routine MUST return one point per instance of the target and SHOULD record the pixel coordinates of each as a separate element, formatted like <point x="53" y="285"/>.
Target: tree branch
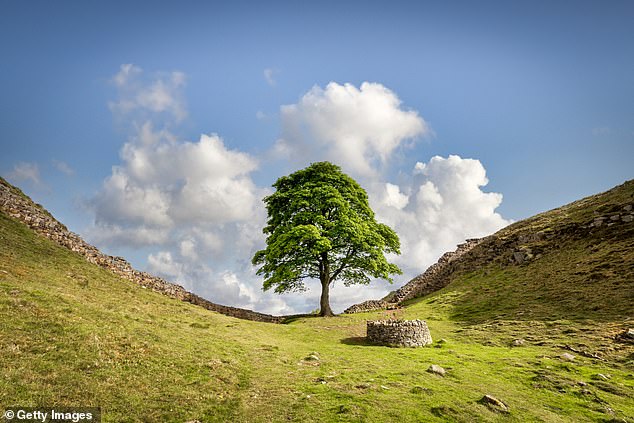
<point x="351" y="252"/>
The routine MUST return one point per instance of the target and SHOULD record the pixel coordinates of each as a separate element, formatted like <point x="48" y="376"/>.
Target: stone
<point x="627" y="218"/>
<point x="494" y="403"/>
<point x="436" y="369"/>
<point x="370" y="305"/>
<point x="519" y="257"/>
<point x="567" y="357"/>
<point x="628" y="208"/>
<point x="313" y="356"/>
<point x="615" y="217"/>
<point x="517" y="342"/>
<point x="398" y="333"/>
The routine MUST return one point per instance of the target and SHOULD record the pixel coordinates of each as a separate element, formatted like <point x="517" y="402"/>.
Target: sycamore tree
<point x="320" y="226"/>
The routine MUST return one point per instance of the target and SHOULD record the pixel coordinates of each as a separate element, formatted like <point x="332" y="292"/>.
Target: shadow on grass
<point x="356" y="340"/>
<point x="295" y="317"/>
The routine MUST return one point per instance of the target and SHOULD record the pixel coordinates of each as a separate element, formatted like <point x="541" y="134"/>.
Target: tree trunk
<point x="324" y="277"/>
<point x="324" y="302"/>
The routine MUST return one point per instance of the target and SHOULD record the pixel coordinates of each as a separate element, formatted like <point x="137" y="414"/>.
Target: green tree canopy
<point x="321" y="226"/>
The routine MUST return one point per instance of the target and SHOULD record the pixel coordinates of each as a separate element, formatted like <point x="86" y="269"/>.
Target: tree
<point x="321" y="226"/>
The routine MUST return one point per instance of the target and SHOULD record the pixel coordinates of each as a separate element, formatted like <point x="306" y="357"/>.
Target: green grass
<point x="72" y="334"/>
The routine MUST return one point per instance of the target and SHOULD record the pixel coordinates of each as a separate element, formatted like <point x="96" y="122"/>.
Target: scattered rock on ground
<point x="517" y="342"/>
<point x="494" y="403"/>
<point x="436" y="369"/>
<point x="313" y="356"/>
<point x="567" y="357"/>
<point x="519" y="257"/>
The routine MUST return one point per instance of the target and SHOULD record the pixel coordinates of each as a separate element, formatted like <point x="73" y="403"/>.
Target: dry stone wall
<point x="404" y="333"/>
<point x="17" y="205"/>
<point x="435" y="277"/>
<point x="370" y="305"/>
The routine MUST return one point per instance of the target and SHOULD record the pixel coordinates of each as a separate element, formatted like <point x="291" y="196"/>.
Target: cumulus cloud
<point x="192" y="204"/>
<point x="167" y="184"/>
<point x="442" y="205"/>
<point x="359" y="128"/>
<point x="142" y="94"/>
<point x="195" y="206"/>
<point x="26" y="171"/>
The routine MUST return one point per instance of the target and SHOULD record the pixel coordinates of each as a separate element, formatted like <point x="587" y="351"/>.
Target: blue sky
<point x="540" y="94"/>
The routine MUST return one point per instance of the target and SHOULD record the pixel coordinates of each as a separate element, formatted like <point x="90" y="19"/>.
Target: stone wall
<point x="370" y="305"/>
<point x="405" y="333"/>
<point x="17" y="205"/>
<point x="435" y="277"/>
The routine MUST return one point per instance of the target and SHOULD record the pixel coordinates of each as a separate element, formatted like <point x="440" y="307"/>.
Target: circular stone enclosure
<point x="398" y="333"/>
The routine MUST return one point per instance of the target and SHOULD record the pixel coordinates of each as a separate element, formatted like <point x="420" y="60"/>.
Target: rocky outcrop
<point x="435" y="277"/>
<point x="401" y="333"/>
<point x="17" y="205"/>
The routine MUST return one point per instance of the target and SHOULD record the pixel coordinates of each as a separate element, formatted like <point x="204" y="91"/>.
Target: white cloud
<point x="63" y="167"/>
<point x="394" y="198"/>
<point x="141" y="94"/>
<point x="358" y="128"/>
<point x="127" y="72"/>
<point x="167" y="184"/>
<point x="446" y="205"/>
<point x="191" y="204"/>
<point x="269" y="76"/>
<point x="194" y="205"/>
<point x="25" y="171"/>
<point x="126" y="235"/>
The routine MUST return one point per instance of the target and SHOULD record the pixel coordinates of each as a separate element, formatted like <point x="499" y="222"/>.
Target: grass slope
<point x="582" y="272"/>
<point x="73" y="334"/>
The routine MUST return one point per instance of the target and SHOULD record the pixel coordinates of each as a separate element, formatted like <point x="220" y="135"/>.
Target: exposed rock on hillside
<point x="435" y="277"/>
<point x="17" y="205"/>
<point x="602" y="216"/>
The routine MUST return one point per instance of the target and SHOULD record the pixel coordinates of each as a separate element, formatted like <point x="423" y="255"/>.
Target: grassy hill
<point x="73" y="334"/>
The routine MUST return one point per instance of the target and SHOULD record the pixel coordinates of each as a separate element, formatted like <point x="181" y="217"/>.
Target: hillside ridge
<point x="520" y="243"/>
<point x="19" y="206"/>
